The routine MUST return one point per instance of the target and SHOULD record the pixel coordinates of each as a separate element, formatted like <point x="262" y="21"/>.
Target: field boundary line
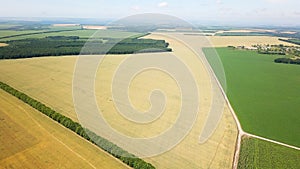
<point x="240" y="129"/>
<point x="270" y="140"/>
<point x="211" y="72"/>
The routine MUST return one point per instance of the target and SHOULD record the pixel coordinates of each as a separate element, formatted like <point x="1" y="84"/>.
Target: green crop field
<point x="4" y="33"/>
<point x="80" y="33"/>
<point x="256" y="153"/>
<point x="8" y="25"/>
<point x="265" y="95"/>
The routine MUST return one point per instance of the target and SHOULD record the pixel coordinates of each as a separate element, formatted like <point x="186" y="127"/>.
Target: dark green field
<point x="265" y="95"/>
<point x="260" y="154"/>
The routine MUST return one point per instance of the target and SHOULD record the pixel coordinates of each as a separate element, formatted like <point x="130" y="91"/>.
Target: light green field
<point x="80" y="33"/>
<point x="265" y="95"/>
<point x="4" y="33"/>
<point x="7" y="26"/>
<point x="256" y="153"/>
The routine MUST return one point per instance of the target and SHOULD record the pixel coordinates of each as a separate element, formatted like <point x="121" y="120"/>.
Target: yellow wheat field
<point x="223" y="41"/>
<point x="3" y="44"/>
<point x="31" y="140"/>
<point x="49" y="80"/>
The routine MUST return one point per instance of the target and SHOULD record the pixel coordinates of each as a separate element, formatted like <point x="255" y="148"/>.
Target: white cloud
<point x="135" y="8"/>
<point x="219" y="2"/>
<point x="277" y="1"/>
<point x="162" y="4"/>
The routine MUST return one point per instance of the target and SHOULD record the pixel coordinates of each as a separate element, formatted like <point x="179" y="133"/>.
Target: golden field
<point x="94" y="27"/>
<point x="248" y="30"/>
<point x="49" y="80"/>
<point x="65" y="25"/>
<point x="31" y="140"/>
<point x="224" y="41"/>
<point x="3" y="44"/>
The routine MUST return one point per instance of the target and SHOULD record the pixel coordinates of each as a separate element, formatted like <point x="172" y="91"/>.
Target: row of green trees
<point x="103" y="143"/>
<point x="271" y="52"/>
<point x="294" y="41"/>
<point x="73" y="45"/>
<point x="36" y="33"/>
<point x="287" y="61"/>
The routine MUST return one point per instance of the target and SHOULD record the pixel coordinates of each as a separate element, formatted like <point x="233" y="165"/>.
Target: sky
<point x="222" y="12"/>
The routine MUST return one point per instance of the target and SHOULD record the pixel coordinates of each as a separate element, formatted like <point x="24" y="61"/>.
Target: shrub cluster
<point x="294" y="41"/>
<point x="287" y="61"/>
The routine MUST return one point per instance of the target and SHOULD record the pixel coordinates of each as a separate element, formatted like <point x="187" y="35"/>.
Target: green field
<point x="256" y="153"/>
<point x="7" y="25"/>
<point x="294" y="41"/>
<point x="4" y="33"/>
<point x="64" y="32"/>
<point x="265" y="95"/>
<point x="243" y="34"/>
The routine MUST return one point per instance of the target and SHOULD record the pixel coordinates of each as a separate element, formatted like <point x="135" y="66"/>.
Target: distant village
<point x="291" y="51"/>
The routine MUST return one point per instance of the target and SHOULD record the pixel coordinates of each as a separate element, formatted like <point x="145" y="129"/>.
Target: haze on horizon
<point x="217" y="12"/>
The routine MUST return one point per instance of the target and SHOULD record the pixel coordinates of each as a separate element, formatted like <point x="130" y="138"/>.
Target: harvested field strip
<point x="129" y="159"/>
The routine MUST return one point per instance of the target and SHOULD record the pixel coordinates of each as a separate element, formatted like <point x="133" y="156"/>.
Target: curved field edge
<point x="264" y="94"/>
<point x="104" y="144"/>
<point x="256" y="153"/>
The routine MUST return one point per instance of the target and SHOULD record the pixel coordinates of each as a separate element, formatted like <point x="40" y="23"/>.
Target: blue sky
<point x="261" y="12"/>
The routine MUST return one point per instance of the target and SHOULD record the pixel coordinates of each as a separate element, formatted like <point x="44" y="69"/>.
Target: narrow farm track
<point x="198" y="49"/>
<point x="270" y="140"/>
<point x="241" y="133"/>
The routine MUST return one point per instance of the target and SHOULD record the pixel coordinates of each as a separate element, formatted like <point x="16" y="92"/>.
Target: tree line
<point x="36" y="33"/>
<point x="287" y="61"/>
<point x="126" y="157"/>
<point x="294" y="41"/>
<point x="73" y="45"/>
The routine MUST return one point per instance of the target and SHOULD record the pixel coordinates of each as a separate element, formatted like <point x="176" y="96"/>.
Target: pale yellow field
<point x="289" y="32"/>
<point x="223" y="41"/>
<point x="94" y="27"/>
<point x="64" y="25"/>
<point x="31" y="140"/>
<point x="247" y="30"/>
<point x="49" y="80"/>
<point x="3" y="44"/>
